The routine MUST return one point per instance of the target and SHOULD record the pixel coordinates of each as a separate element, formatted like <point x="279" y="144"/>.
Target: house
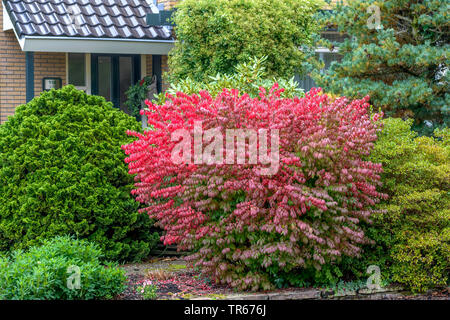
<point x="100" y="46"/>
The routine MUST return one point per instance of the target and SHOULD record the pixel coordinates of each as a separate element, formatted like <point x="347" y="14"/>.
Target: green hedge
<point x="415" y="227"/>
<point x="412" y="233"/>
<point x="62" y="268"/>
<point x="62" y="172"/>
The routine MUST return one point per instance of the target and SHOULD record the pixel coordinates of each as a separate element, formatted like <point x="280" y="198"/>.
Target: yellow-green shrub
<point x="412" y="234"/>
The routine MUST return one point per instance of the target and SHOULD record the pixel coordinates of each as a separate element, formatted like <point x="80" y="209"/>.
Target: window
<point x="126" y="80"/>
<point x="326" y="56"/>
<point x="77" y="70"/>
<point x="112" y="76"/>
<point x="104" y="76"/>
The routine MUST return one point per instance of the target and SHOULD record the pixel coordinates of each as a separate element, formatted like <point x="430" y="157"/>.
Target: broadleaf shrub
<point x="43" y="272"/>
<point x="216" y="35"/>
<point x="136" y="94"/>
<point x="245" y="227"/>
<point x="62" y="172"/>
<point x="248" y="77"/>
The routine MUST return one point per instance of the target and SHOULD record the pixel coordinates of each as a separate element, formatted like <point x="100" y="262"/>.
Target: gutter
<point x="97" y="39"/>
<point x="96" y="45"/>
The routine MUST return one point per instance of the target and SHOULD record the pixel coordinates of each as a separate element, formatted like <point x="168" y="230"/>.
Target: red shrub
<point x="244" y="226"/>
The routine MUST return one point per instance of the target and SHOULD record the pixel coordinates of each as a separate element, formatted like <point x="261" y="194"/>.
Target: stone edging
<point x="315" y="294"/>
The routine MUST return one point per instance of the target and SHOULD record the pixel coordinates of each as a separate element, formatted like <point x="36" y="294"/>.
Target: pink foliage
<point x="240" y="223"/>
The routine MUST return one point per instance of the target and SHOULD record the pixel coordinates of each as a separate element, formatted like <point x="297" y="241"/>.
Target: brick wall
<point x="48" y="64"/>
<point x="149" y="62"/>
<point x="12" y="72"/>
<point x="164" y="69"/>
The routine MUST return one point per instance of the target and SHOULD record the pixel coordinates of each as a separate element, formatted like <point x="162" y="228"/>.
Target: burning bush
<point x="298" y="206"/>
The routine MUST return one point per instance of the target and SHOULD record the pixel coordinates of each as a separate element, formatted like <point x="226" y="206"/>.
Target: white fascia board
<point x="97" y="45"/>
<point x="7" y="23"/>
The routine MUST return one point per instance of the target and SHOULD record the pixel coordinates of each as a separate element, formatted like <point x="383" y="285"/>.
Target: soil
<point x="177" y="282"/>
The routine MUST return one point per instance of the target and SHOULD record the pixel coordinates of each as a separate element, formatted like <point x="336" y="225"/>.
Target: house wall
<point x="12" y="72"/>
<point x="164" y="69"/>
<point x="149" y="63"/>
<point x="48" y="64"/>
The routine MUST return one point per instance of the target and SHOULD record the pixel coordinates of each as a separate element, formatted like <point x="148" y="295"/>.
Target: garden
<point x="342" y="188"/>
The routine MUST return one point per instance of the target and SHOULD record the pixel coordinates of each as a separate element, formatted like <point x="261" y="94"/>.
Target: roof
<point x="108" y="19"/>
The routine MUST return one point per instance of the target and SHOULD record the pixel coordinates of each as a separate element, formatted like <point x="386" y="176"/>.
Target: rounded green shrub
<point x="415" y="225"/>
<point x="62" y="268"/>
<point x="62" y="172"/>
<point x="412" y="230"/>
<point x="216" y="35"/>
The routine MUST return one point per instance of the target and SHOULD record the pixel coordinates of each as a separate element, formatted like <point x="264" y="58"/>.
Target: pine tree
<point x="397" y="53"/>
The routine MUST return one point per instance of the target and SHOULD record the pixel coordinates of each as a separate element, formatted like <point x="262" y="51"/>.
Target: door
<point x="112" y="76"/>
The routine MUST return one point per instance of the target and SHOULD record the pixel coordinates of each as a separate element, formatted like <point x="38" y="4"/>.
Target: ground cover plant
<point x="62" y="172"/>
<point x="60" y="268"/>
<point x="246" y="228"/>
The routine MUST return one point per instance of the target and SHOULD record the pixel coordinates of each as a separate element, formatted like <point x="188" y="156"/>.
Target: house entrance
<point x="112" y="76"/>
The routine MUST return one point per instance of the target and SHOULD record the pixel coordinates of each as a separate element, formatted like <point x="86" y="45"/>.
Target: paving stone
<point x="383" y="296"/>
<point x="295" y="295"/>
<point x="340" y="294"/>
<point x="248" y="297"/>
<point x="372" y="291"/>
